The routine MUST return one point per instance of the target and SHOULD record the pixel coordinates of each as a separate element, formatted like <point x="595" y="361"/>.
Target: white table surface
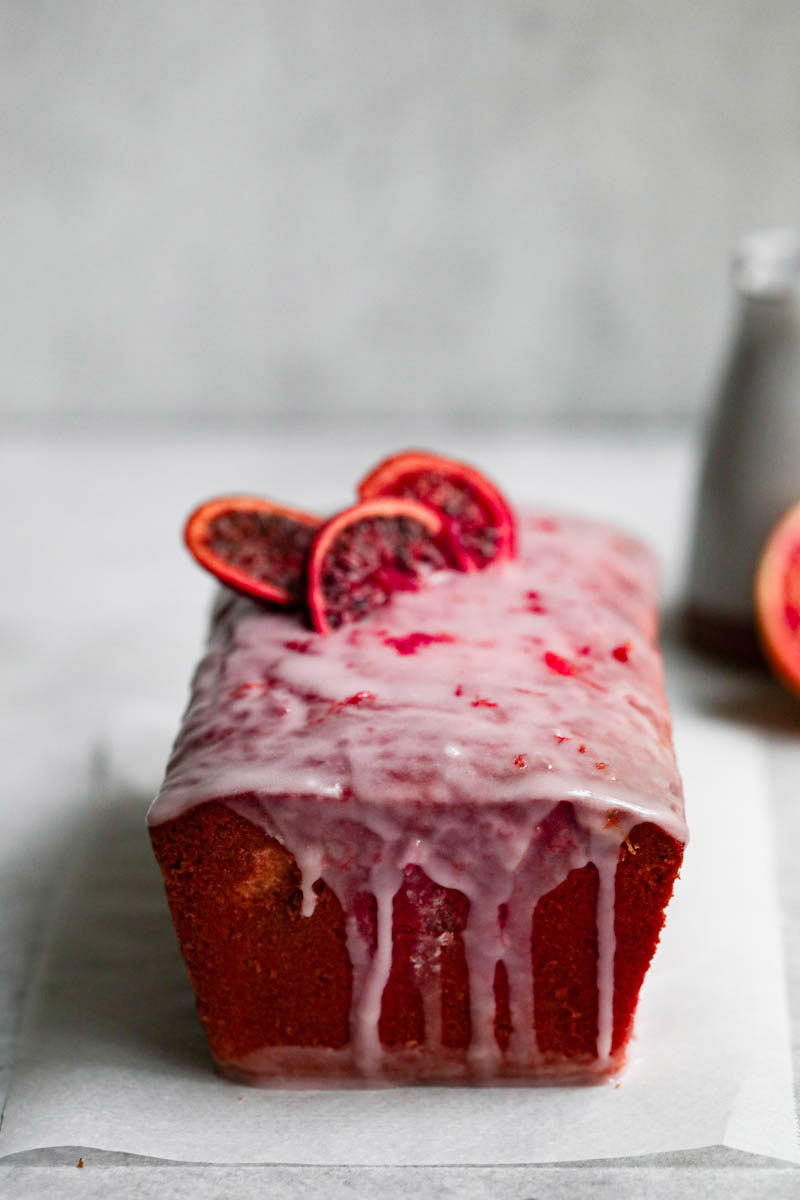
<point x="102" y="617"/>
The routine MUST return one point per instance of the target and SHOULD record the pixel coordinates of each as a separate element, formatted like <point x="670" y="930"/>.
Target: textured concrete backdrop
<point x="241" y="207"/>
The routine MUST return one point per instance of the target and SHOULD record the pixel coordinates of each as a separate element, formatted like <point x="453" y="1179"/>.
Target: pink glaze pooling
<point x="442" y="731"/>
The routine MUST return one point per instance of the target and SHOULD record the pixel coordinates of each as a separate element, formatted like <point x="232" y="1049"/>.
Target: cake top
<point x="535" y="678"/>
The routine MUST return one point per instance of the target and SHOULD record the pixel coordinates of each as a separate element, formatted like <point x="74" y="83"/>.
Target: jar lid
<point x="766" y="263"/>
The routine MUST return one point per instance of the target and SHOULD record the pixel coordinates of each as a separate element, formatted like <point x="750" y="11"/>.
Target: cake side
<point x="274" y="988"/>
<point x="485" y="781"/>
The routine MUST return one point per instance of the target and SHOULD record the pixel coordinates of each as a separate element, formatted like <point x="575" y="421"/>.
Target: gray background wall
<point x="289" y="207"/>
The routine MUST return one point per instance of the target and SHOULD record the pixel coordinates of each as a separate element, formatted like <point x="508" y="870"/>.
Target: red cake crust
<point x="264" y="975"/>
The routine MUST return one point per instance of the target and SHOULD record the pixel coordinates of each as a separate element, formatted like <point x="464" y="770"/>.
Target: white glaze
<point x="376" y="747"/>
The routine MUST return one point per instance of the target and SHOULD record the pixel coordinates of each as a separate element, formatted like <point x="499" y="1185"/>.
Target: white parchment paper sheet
<point x="111" y="1055"/>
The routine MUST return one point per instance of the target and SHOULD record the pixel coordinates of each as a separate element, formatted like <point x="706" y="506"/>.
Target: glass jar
<point x="751" y="467"/>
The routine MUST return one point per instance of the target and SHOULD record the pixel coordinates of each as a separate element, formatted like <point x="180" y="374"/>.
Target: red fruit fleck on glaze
<point x="521" y="762"/>
<point x="299" y="647"/>
<point x="581" y="749"/>
<point x="558" y="664"/>
<point x="562" y="666"/>
<point x="533" y="603"/>
<point x="253" y="545"/>
<point x="459" y="691"/>
<point x="584" y="650"/>
<point x="622" y="653"/>
<point x="561" y="737"/>
<point x="413" y="641"/>
<point x="365" y="554"/>
<point x="601" y="766"/>
<point x="337" y="707"/>
<point x="359" y="698"/>
<point x="482" y="702"/>
<point x="472" y="507"/>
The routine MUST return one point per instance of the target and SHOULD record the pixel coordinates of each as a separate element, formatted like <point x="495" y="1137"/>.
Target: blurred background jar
<point x="751" y="468"/>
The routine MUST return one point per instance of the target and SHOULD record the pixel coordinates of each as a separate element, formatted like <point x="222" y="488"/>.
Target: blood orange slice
<point x="253" y="545"/>
<point x="476" y="512"/>
<point x="364" y="554"/>
<point x="777" y="599"/>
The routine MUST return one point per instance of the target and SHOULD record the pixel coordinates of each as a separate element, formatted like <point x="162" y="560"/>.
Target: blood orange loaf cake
<point x="436" y="844"/>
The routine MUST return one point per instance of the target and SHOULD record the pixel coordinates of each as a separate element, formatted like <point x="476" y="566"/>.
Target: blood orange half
<point x="253" y="545"/>
<point x="777" y="599"/>
<point x="474" y="509"/>
<point x="364" y="554"/>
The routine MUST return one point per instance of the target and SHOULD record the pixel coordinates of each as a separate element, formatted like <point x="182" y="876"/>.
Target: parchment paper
<point x="111" y="1054"/>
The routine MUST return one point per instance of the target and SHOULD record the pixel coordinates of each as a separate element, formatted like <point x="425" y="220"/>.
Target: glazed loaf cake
<point x="437" y="844"/>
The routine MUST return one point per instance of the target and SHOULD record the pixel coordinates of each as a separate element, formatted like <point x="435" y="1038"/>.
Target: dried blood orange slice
<point x="777" y="599"/>
<point x="476" y="512"/>
<point x="253" y="545"/>
<point x="367" y="552"/>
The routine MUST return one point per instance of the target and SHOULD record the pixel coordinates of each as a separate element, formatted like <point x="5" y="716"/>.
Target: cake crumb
<point x="80" y="1162"/>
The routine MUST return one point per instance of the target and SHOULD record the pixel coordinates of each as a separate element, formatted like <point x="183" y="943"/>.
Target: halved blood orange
<point x="777" y="599"/>
<point x="475" y="510"/>
<point x="253" y="545"/>
<point x="364" y="554"/>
